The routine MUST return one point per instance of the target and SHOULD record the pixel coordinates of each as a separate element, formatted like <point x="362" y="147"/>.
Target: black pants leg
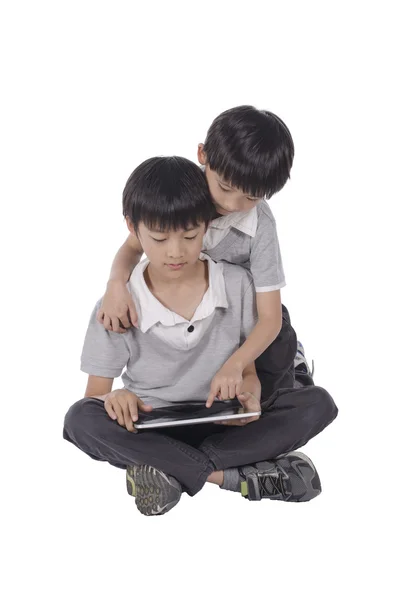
<point x="290" y="418"/>
<point x="89" y="427"/>
<point x="275" y="367"/>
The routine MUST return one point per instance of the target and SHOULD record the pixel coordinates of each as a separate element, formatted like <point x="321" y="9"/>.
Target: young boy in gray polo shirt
<point x="247" y="157"/>
<point x="193" y="314"/>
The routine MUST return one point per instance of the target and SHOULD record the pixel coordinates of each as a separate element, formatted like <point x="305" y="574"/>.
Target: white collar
<point x="247" y="222"/>
<point x="154" y="312"/>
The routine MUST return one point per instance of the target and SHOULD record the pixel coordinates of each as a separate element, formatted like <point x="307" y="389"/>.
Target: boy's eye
<point x="163" y="240"/>
<point x="253" y="199"/>
<point x="224" y="189"/>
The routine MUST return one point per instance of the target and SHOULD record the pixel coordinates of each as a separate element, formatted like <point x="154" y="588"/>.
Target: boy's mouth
<point x="176" y="266"/>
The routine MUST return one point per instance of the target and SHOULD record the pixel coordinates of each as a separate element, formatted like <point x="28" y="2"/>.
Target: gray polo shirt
<point x="250" y="240"/>
<point x="161" y="374"/>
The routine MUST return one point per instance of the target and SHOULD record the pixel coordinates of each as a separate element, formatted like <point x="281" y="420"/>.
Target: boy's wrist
<point x="235" y="363"/>
<point x="116" y="281"/>
<point x="252" y="384"/>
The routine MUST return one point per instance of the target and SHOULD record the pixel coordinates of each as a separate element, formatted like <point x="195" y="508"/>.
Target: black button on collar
<point x="190" y="328"/>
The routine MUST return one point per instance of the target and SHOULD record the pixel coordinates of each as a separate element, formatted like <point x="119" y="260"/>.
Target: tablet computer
<point x="192" y="413"/>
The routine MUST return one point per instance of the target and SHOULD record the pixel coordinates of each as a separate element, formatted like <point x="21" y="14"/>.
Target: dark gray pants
<point x="275" y="367"/>
<point x="290" y="418"/>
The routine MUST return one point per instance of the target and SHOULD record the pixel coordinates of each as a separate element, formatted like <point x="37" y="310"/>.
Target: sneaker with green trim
<point x="291" y="477"/>
<point x="155" y="492"/>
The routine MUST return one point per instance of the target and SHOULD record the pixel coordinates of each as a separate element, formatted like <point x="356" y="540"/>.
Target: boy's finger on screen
<point x="210" y="399"/>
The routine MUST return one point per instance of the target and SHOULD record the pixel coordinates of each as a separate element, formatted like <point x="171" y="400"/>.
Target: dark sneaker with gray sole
<point x="290" y="477"/>
<point x="155" y="492"/>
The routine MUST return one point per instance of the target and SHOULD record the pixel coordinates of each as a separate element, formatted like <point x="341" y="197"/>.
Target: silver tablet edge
<point x="194" y="421"/>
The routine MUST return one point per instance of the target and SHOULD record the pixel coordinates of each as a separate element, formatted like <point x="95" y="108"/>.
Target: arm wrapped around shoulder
<point x="105" y="353"/>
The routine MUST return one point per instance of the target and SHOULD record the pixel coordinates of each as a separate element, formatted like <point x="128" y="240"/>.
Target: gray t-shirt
<point x="258" y="253"/>
<point x="160" y="374"/>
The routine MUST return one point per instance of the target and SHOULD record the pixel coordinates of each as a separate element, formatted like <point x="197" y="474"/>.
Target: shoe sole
<point x="155" y="494"/>
<point x="130" y="481"/>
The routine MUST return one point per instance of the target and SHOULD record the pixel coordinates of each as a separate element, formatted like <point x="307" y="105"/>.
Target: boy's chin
<point x="223" y="211"/>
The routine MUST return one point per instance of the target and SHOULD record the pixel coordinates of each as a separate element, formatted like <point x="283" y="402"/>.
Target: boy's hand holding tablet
<point x="250" y="404"/>
<point x="123" y="406"/>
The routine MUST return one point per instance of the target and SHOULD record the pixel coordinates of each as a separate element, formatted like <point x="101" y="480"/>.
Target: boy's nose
<point x="175" y="252"/>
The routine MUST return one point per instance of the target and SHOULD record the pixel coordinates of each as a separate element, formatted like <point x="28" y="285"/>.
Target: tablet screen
<point x="196" y="411"/>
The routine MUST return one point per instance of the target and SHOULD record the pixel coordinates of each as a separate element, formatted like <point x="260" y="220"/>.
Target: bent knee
<point x="324" y="404"/>
<point x="79" y="414"/>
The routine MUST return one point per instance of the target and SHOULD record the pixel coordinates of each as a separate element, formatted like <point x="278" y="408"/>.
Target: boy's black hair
<point x="251" y="150"/>
<point x="167" y="193"/>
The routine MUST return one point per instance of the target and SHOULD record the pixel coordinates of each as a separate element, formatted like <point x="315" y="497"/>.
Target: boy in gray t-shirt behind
<point x="193" y="315"/>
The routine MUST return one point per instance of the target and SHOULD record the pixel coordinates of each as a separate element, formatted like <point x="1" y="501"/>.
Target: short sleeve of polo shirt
<point x="105" y="353"/>
<point x="266" y="264"/>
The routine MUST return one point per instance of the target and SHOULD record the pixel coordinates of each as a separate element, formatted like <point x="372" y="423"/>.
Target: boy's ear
<point x="201" y="155"/>
<point x="130" y="226"/>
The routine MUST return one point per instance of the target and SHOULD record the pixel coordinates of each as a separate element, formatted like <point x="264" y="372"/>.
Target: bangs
<point x="260" y="175"/>
<point x="168" y="194"/>
<point x="245" y="178"/>
<point x="165" y="214"/>
<point x="251" y="150"/>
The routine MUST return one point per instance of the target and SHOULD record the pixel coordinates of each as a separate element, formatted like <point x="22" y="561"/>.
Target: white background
<point x="89" y="90"/>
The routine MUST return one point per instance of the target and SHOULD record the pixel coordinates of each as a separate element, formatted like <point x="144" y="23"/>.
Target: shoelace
<point x="271" y="484"/>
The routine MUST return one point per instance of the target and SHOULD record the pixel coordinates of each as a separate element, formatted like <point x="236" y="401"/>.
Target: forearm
<point x="124" y="263"/>
<point x="98" y="386"/>
<point x="260" y="338"/>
